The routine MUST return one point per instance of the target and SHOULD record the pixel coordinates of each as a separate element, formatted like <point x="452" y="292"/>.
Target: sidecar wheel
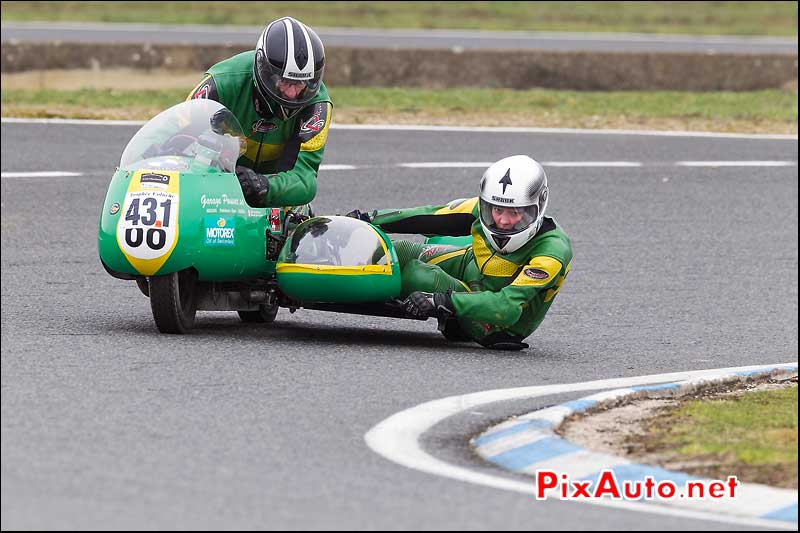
<point x="265" y="314"/>
<point x="173" y="299"/>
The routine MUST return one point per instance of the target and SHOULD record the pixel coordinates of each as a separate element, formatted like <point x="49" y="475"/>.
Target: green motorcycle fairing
<point x="175" y="201"/>
<point x="199" y="220"/>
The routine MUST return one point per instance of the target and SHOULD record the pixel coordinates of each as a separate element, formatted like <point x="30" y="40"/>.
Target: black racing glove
<point x="425" y="305"/>
<point x="361" y="215"/>
<point x="255" y="186"/>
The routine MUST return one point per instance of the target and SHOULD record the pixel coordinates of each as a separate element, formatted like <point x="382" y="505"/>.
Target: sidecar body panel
<point x="338" y="259"/>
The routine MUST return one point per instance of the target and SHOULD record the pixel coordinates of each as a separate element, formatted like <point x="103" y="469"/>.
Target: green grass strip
<point x="772" y="105"/>
<point x="702" y="18"/>
<point x="96" y="98"/>
<point x="757" y="428"/>
<point x="768" y="105"/>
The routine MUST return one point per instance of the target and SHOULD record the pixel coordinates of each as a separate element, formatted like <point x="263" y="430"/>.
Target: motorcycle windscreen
<point x="338" y="259"/>
<point x="196" y="135"/>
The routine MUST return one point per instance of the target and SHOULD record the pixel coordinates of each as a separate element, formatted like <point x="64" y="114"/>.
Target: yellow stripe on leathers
<point x="489" y="263"/>
<point x="550" y="294"/>
<point x="269" y="152"/>
<point x="547" y="264"/>
<point x="458" y="206"/>
<point x="444" y="257"/>
<point x="318" y="141"/>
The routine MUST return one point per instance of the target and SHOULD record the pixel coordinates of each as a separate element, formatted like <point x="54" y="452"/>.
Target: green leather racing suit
<point x="496" y="297"/>
<point x="288" y="150"/>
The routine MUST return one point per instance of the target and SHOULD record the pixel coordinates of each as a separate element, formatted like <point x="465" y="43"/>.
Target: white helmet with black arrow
<point x="513" y="200"/>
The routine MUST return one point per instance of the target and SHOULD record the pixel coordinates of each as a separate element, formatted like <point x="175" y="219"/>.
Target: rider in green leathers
<point x="276" y="93"/>
<point x="496" y="290"/>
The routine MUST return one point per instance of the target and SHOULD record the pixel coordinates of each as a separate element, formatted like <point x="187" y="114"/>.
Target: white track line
<point x="469" y="164"/>
<point x="485" y="164"/>
<point x="337" y="167"/>
<point x="397" y="438"/>
<point x="462" y="164"/>
<point x="736" y="163"/>
<point x="591" y="164"/>
<point x="72" y="121"/>
<point x="54" y="174"/>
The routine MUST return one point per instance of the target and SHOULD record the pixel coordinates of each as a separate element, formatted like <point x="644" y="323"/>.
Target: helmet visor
<point x="289" y="93"/>
<point x="507" y="220"/>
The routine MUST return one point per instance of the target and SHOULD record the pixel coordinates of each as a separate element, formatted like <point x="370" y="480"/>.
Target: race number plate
<point x="148" y="228"/>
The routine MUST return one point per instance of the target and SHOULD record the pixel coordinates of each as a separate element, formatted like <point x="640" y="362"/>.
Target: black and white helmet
<point x="288" y="66"/>
<point x="512" y="202"/>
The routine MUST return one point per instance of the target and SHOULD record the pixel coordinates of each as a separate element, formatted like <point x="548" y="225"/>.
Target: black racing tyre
<point x="265" y="314"/>
<point x="173" y="299"/>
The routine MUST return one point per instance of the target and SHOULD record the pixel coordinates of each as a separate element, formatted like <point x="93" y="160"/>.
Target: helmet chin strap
<point x="281" y="112"/>
<point x="286" y="113"/>
<point x="267" y="109"/>
<point x="501" y="241"/>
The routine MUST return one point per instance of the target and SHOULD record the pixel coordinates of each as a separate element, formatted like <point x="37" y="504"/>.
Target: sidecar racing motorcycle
<point x="175" y="221"/>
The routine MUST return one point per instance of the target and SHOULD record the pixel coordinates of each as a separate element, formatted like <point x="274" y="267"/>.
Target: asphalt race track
<point x="401" y="38"/>
<point x="108" y="424"/>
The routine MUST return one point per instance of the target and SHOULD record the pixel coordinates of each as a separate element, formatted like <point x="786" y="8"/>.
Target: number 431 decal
<point x="156" y="236"/>
<point x="148" y="229"/>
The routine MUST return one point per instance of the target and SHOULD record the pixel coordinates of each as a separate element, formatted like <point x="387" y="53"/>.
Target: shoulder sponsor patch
<point x="202" y="91"/>
<point x="313" y="131"/>
<point x="535" y="273"/>
<point x="541" y="271"/>
<point x="313" y="124"/>
<point x="206" y="89"/>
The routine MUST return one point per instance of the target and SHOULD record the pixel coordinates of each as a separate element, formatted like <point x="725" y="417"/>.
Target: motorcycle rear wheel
<point x="173" y="300"/>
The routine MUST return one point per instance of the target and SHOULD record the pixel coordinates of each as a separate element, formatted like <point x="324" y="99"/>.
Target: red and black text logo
<point x="536" y="273"/>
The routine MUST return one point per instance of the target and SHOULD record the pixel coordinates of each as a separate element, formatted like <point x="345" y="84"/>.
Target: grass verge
<point x="701" y="18"/>
<point x="769" y="111"/>
<point x="752" y="435"/>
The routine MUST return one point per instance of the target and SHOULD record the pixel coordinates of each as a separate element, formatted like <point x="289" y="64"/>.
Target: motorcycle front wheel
<point x="173" y="299"/>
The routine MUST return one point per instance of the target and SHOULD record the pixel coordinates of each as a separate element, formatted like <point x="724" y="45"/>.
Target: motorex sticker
<point x="220" y="231"/>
